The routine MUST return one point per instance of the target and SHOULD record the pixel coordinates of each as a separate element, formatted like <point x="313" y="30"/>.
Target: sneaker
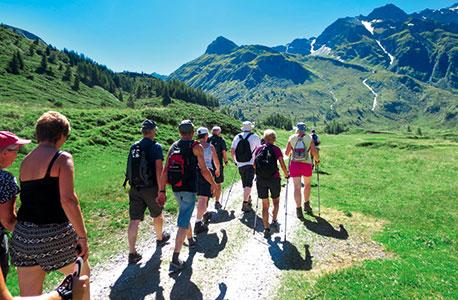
<point x="307" y="208"/>
<point x="275" y="226"/>
<point x="165" y="239"/>
<point x="176" y="266"/>
<point x="207" y="217"/>
<point x="218" y="205"/>
<point x="134" y="258"/>
<point x="267" y="233"/>
<point x="200" y="227"/>
<point x="247" y="206"/>
<point x="299" y="214"/>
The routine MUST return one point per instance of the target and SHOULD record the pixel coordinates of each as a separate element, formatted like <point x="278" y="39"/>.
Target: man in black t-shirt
<point x="144" y="197"/>
<point x="220" y="145"/>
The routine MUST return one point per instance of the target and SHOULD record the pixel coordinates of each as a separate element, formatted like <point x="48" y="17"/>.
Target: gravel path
<point x="232" y="263"/>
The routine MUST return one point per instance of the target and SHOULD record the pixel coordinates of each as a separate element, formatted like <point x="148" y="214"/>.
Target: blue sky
<point x="148" y="35"/>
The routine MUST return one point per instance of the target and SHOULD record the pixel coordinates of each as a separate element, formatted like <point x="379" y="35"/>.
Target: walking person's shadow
<point x="324" y="228"/>
<point x="222" y="216"/>
<point x="288" y="256"/>
<point x="248" y="220"/>
<point x="137" y="281"/>
<point x="210" y="244"/>
<point x="184" y="288"/>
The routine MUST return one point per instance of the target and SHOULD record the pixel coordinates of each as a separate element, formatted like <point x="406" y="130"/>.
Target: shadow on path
<point x="286" y="256"/>
<point x="137" y="281"/>
<point x="324" y="228"/>
<point x="210" y="245"/>
<point x="247" y="219"/>
<point x="222" y="216"/>
<point x="184" y="288"/>
<point x="222" y="291"/>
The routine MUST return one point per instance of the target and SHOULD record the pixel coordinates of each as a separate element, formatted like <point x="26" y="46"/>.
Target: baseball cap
<point x="8" y="138"/>
<point x="301" y="126"/>
<point x="202" y="131"/>
<point x="216" y="128"/>
<point x="186" y="126"/>
<point x="148" y="125"/>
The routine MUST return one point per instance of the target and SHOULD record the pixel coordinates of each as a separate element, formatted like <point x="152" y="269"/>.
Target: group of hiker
<point x="48" y="230"/>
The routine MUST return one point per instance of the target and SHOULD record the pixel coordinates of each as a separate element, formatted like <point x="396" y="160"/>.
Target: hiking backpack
<point x="243" y="151"/>
<point x="300" y="154"/>
<point x="138" y="173"/>
<point x="315" y="139"/>
<point x="266" y="162"/>
<point x="178" y="164"/>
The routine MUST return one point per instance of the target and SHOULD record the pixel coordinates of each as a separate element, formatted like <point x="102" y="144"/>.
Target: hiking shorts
<point x="298" y="169"/>
<point x="186" y="202"/>
<point x="204" y="187"/>
<point x="140" y="199"/>
<point x="264" y="185"/>
<point x="4" y="253"/>
<point x="220" y="178"/>
<point x="247" y="175"/>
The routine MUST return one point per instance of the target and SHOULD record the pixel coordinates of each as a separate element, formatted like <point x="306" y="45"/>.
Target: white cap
<point x="202" y="131"/>
<point x="217" y="128"/>
<point x="247" y="126"/>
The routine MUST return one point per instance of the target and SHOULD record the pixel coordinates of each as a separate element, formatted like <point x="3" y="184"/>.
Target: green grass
<point x="411" y="183"/>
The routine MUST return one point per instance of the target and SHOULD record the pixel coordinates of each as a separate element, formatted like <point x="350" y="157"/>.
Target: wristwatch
<point x="65" y="289"/>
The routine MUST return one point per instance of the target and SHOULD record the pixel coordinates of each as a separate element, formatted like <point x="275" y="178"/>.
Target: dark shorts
<point x="4" y="254"/>
<point x="265" y="185"/>
<point x="247" y="175"/>
<point x="140" y="199"/>
<point x="50" y="246"/>
<point x="220" y="178"/>
<point x="203" y="186"/>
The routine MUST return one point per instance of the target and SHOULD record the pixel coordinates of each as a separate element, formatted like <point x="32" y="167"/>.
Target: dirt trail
<point x="230" y="261"/>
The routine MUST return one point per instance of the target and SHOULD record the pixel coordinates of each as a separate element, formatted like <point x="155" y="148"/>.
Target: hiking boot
<point x="134" y="258"/>
<point x="192" y="243"/>
<point x="308" y="208"/>
<point x="299" y="214"/>
<point x="247" y="206"/>
<point x="200" y="227"/>
<point x="218" y="205"/>
<point x="176" y="266"/>
<point x="207" y="217"/>
<point x="275" y="226"/>
<point x="267" y="233"/>
<point x="165" y="238"/>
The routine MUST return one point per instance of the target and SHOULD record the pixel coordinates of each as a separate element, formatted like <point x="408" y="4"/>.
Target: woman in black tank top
<point x="50" y="232"/>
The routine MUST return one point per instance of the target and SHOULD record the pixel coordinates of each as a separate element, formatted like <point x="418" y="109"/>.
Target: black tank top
<point x="189" y="178"/>
<point x="40" y="199"/>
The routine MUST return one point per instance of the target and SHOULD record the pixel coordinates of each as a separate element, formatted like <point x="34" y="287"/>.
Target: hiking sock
<point x="175" y="257"/>
<point x="198" y="220"/>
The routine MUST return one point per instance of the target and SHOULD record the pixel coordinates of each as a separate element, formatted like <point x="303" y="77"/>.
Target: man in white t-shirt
<point x="242" y="149"/>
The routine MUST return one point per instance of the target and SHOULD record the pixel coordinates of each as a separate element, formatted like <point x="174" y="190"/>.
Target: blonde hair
<point x="51" y="126"/>
<point x="270" y="136"/>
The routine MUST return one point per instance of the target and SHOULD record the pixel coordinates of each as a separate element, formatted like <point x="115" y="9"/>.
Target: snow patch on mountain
<point x="369" y="26"/>
<point x="386" y="52"/>
<point x="374" y="103"/>
<point x="453" y="8"/>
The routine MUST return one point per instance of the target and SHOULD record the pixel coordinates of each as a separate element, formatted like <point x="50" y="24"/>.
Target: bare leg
<point x="246" y="194"/>
<point x="30" y="280"/>
<point x="132" y="232"/>
<point x="218" y="193"/>
<point x="265" y="212"/>
<point x="307" y="188"/>
<point x="201" y="207"/>
<point x="189" y="232"/>
<point x="297" y="191"/>
<point x="181" y="235"/>
<point x="276" y="203"/>
<point x="85" y="270"/>
<point x="158" y="224"/>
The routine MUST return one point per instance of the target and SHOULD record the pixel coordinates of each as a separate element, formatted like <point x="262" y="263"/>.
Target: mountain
<point x="159" y="76"/>
<point x="445" y="15"/>
<point x="384" y="68"/>
<point x="35" y="73"/>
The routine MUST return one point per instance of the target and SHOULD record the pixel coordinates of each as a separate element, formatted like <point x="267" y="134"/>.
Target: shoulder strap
<point x="51" y="163"/>
<point x="248" y="136"/>
<point x="241" y="136"/>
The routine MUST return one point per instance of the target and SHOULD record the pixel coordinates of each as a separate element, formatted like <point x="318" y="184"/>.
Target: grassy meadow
<point x="409" y="182"/>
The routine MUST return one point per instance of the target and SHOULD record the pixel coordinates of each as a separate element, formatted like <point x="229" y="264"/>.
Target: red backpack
<point x="178" y="165"/>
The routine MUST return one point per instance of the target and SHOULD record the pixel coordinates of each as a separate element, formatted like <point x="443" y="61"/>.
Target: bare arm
<point x="225" y="156"/>
<point x="233" y="155"/>
<point x="8" y="214"/>
<point x="283" y="166"/>
<point x="199" y="153"/>
<point x="314" y="152"/>
<point x="69" y="201"/>
<point x="159" y="167"/>
<point x="163" y="177"/>
<point x="288" y="150"/>
<point x="216" y="161"/>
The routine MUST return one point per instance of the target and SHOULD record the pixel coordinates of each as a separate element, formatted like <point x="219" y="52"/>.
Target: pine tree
<point x="43" y="65"/>
<point x="120" y="97"/>
<point x="166" y="97"/>
<point x="409" y="129"/>
<point x="419" y="131"/>
<point x="48" y="50"/>
<point x="130" y="102"/>
<point x="67" y="74"/>
<point x="14" y="65"/>
<point x="76" y="83"/>
<point x="20" y="60"/>
<point x="31" y="50"/>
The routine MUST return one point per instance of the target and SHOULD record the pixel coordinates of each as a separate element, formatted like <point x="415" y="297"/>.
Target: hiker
<point x="204" y="191"/>
<point x="9" y="147"/>
<point x="144" y="169"/>
<point x="79" y="285"/>
<point x="221" y="149"/>
<point x="49" y="220"/>
<point x="268" y="178"/>
<point x="183" y="158"/>
<point x="242" y="150"/>
<point x="299" y="148"/>
<point x="315" y="139"/>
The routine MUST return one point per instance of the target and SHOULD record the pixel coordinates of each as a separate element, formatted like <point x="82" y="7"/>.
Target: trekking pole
<point x="255" y="215"/>
<point x="230" y="189"/>
<point x="286" y="199"/>
<point x="318" y="182"/>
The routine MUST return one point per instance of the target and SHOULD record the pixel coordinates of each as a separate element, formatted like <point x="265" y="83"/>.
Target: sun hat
<point x="301" y="126"/>
<point x="216" y="128"/>
<point x="8" y="139"/>
<point x="247" y="126"/>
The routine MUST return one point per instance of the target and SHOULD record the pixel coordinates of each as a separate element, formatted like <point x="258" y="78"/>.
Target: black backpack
<point x="315" y="139"/>
<point x="266" y="162"/>
<point x="243" y="151"/>
<point x="138" y="172"/>
<point x="179" y="164"/>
